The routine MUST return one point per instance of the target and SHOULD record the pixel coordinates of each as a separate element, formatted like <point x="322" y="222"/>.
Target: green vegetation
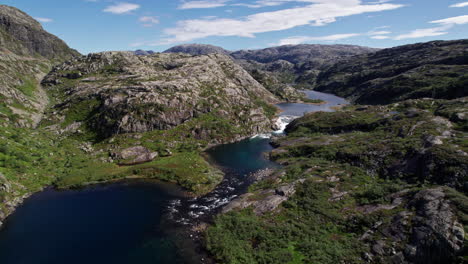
<point x="28" y="87"/>
<point x="81" y="111"/>
<point x="425" y="70"/>
<point x="357" y="165"/>
<point x="308" y="229"/>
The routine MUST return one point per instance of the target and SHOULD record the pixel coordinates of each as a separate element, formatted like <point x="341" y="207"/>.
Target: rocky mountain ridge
<point x="135" y="94"/>
<point x="282" y="69"/>
<point x="436" y="69"/>
<point x="27" y="53"/>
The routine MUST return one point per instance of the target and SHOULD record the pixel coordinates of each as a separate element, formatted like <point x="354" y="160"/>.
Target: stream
<point x="135" y="221"/>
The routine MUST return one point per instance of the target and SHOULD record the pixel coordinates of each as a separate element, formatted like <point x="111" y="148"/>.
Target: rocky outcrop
<point x="134" y="155"/>
<point x="23" y="35"/>
<point x="27" y="53"/>
<point x="434" y="69"/>
<point x="282" y="69"/>
<point x="123" y="93"/>
<point x="270" y="199"/>
<point x="436" y="235"/>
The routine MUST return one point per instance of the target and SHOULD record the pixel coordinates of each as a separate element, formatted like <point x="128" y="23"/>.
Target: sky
<point x="103" y="25"/>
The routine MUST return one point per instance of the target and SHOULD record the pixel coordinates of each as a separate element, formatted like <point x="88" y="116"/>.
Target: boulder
<point x="134" y="155"/>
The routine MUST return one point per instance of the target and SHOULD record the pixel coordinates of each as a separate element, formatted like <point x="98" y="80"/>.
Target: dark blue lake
<point x="133" y="222"/>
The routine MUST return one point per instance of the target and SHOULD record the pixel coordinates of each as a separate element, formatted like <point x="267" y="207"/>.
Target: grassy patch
<point x="28" y="87"/>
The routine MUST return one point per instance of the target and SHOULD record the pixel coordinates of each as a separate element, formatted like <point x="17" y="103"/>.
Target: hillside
<point x="123" y="93"/>
<point x="436" y="69"/>
<point x="365" y="184"/>
<point x="114" y="115"/>
<point x="27" y="53"/>
<point x="283" y="69"/>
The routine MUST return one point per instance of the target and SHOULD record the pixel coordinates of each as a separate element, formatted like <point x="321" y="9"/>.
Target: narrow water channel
<point x="123" y="222"/>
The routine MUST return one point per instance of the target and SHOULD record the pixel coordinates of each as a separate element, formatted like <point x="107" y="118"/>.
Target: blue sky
<point x="100" y="25"/>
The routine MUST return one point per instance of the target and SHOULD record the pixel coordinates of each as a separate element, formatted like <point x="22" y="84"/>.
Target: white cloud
<point x="44" y="19"/>
<point x="444" y="25"/>
<point x="459" y="20"/>
<point x="320" y="12"/>
<point x="148" y="21"/>
<point x="425" y="32"/>
<point x="373" y="33"/>
<point x="380" y="37"/>
<point x="265" y="3"/>
<point x="463" y="4"/>
<point x="304" y="39"/>
<point x="203" y="4"/>
<point x="121" y="8"/>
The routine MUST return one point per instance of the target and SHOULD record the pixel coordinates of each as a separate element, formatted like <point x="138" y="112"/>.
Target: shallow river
<point x="133" y="221"/>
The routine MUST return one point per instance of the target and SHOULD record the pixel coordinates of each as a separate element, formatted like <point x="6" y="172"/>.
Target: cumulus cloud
<point x="203" y="4"/>
<point x="121" y="8"/>
<point x="463" y="4"/>
<point x="304" y="39"/>
<point x="44" y="19"/>
<point x="316" y="13"/>
<point x="148" y="21"/>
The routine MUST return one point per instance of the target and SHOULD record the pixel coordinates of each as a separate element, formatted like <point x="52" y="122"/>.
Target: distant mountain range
<point x="364" y="184"/>
<point x="281" y="69"/>
<point x="437" y="69"/>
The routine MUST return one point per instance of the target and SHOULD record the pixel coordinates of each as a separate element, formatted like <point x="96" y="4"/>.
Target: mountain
<point x="27" y="54"/>
<point x="23" y="35"/>
<point x="313" y="54"/>
<point x="197" y="49"/>
<point x="437" y="69"/>
<point x="143" y="52"/>
<point x="119" y="92"/>
<point x="282" y="69"/>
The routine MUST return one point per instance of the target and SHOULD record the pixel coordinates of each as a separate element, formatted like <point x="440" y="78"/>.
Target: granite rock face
<point x="27" y="52"/>
<point x="125" y="93"/>
<point x="23" y="35"/>
<point x="283" y="69"/>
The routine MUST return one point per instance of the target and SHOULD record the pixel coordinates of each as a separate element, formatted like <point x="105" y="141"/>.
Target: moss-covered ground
<point x="355" y="163"/>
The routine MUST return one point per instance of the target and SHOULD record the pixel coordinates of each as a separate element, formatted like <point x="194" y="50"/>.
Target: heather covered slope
<point x="435" y="69"/>
<point x="366" y="184"/>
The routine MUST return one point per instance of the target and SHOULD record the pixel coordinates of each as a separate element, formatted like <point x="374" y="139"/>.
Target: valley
<point x="292" y="154"/>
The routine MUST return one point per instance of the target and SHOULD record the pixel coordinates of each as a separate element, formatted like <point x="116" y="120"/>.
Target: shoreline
<point x="195" y="230"/>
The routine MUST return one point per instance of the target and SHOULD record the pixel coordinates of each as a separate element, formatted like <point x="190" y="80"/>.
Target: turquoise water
<point x="133" y="222"/>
